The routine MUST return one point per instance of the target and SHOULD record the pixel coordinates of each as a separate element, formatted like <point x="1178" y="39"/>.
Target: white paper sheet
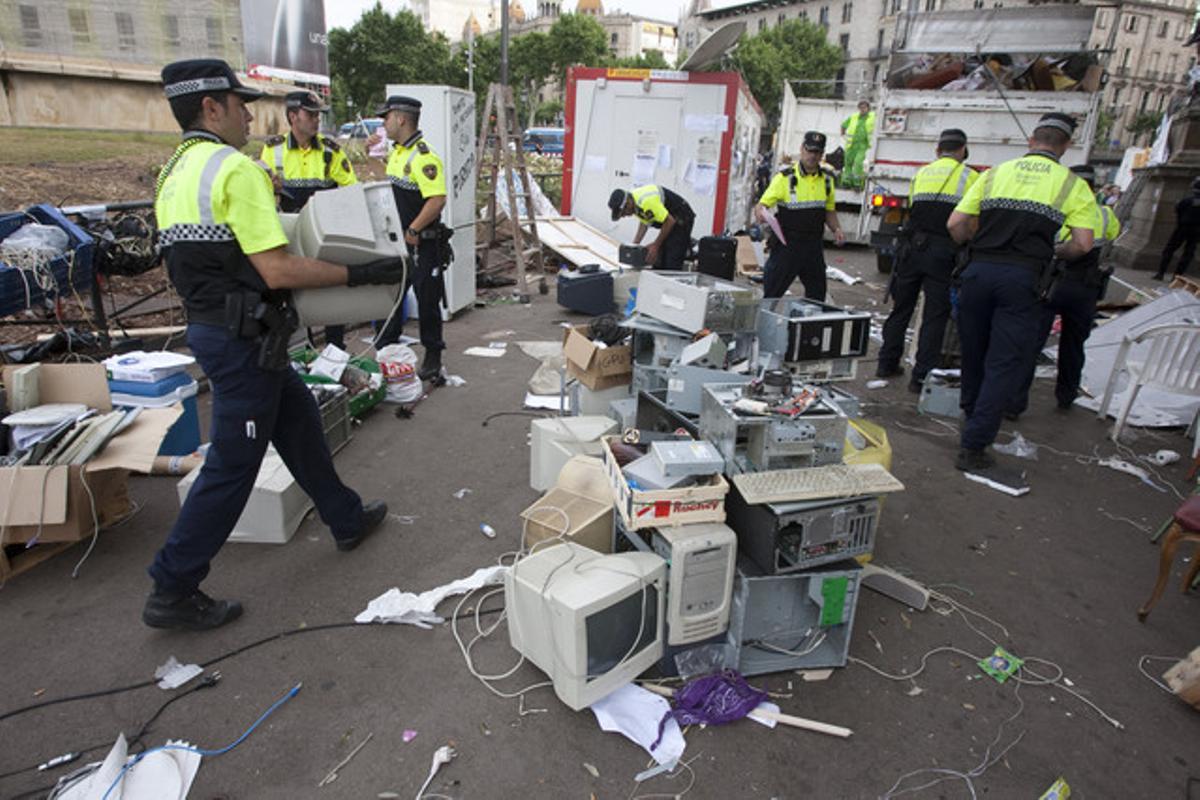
<point x="705" y="179"/>
<point x="635" y="713"/>
<point x="484" y="352"/>
<point x="552" y="402"/>
<point x="706" y="123"/>
<point x="163" y="775"/>
<point x="664" y="156"/>
<point x="420" y="609"/>
<point x="643" y="168"/>
<point x="331" y="363"/>
<point x="594" y="163"/>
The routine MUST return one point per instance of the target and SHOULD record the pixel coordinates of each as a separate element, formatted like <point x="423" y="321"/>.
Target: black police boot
<point x="915" y="386"/>
<point x="194" y="611"/>
<point x="1012" y="416"/>
<point x="373" y="514"/>
<point x="1158" y="276"/>
<point x="971" y="460"/>
<point x="431" y="367"/>
<point x="888" y="370"/>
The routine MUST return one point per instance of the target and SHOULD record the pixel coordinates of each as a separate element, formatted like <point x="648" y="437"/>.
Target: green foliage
<point x="794" y="50"/>
<point x="576" y="39"/>
<point x="650" y="59"/>
<point x="1145" y="124"/>
<point x="379" y="49"/>
<point x="548" y="113"/>
<point x="1104" y="124"/>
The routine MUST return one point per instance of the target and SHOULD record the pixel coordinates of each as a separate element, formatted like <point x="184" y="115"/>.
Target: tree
<point x="576" y="39"/>
<point x="1145" y="124"/>
<point x="1104" y="125"/>
<point x="379" y="49"/>
<point x="649" y="59"/>
<point x="793" y="50"/>
<point x="529" y="67"/>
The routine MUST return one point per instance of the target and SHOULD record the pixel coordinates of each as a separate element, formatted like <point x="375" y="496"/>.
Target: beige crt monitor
<point x="348" y="225"/>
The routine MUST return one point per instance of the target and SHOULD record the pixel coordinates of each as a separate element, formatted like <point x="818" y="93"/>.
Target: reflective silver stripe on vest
<point x="798" y="205"/>
<point x="308" y="183"/>
<point x="207" y="177"/>
<point x="195" y="233"/>
<point x="962" y="180"/>
<point x="279" y="158"/>
<point x="404" y="183"/>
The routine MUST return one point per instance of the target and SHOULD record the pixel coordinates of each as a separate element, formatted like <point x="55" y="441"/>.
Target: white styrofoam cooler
<point x="276" y="507"/>
<point x="448" y="123"/>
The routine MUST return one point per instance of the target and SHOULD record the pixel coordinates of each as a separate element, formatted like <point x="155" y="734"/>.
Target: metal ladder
<point x="508" y="154"/>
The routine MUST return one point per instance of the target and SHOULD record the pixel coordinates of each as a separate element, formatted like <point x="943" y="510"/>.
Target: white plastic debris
<point x="419" y="609"/>
<point x="172" y="674"/>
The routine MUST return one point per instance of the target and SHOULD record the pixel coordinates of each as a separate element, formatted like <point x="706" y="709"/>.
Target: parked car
<point x="358" y="130"/>
<point x="543" y="140"/>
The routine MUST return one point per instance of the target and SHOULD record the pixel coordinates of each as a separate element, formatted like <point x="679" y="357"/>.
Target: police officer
<point x="858" y="129"/>
<point x="805" y="196"/>
<point x="1074" y="297"/>
<point x="935" y="190"/>
<point x="225" y="253"/>
<point x="1011" y="217"/>
<point x="304" y="162"/>
<point x="657" y="207"/>
<point x="1186" y="233"/>
<point x="419" y="183"/>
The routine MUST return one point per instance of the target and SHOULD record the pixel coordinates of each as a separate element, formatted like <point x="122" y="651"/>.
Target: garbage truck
<point x="991" y="72"/>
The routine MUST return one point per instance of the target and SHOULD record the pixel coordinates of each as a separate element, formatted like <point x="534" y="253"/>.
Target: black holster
<point x="441" y="234"/>
<point x="249" y="316"/>
<point x="962" y="258"/>
<point x="1048" y="278"/>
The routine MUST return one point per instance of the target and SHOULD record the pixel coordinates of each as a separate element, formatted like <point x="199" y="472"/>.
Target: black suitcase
<point x="718" y="257"/>
<point x="587" y="292"/>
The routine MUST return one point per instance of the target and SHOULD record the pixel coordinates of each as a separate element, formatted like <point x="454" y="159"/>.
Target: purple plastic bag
<point x="712" y="700"/>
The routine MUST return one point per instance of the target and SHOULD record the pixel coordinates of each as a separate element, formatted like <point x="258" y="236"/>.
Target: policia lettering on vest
<point x="661" y="208"/>
<point x="805" y="197"/>
<point x="1011" y="217"/>
<point x="225" y="252"/>
<point x="419" y="184"/>
<point x="303" y="163"/>
<point x="926" y="261"/>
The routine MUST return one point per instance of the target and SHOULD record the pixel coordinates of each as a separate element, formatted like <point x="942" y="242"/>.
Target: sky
<point x="344" y="13"/>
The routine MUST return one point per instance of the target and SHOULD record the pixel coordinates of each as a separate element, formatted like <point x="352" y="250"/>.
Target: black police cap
<point x="399" y="102"/>
<point x="1085" y="171"/>
<point x="616" y="203"/>
<point x="952" y="137"/>
<point x="309" y="101"/>
<point x="1063" y="122"/>
<point x="203" y="76"/>
<point x="815" y="141"/>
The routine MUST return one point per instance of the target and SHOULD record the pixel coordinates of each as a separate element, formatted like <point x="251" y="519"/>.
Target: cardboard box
<point x="1184" y="679"/>
<point x="703" y="502"/>
<point x="593" y="365"/>
<point x="52" y="503"/>
<point x="747" y="258"/>
<point x="582" y="494"/>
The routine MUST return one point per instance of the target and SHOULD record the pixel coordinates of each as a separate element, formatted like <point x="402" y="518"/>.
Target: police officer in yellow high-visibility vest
<point x="1011" y="217"/>
<point x="1076" y="292"/>
<point x="304" y="162"/>
<point x="928" y="260"/>
<point x="661" y="208"/>
<point x="857" y="128"/>
<point x="419" y="185"/>
<point x="225" y="251"/>
<point x="804" y="195"/>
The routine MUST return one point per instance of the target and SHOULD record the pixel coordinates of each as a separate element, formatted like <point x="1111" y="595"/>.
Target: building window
<point x="803" y="14"/>
<point x="875" y="74"/>
<point x="844" y="42"/>
<point x="1125" y="59"/>
<point x="782" y="17"/>
<point x="931" y="5"/>
<point x="847" y="10"/>
<point x="762" y="23"/>
<point x="1158" y="105"/>
<point x="1145" y="101"/>
<point x="31" y="30"/>
<point x="1131" y="23"/>
<point x="126" y="39"/>
<point x="171" y="30"/>
<point x="1180" y="29"/>
<point x="1164" y="28"/>
<point x="1172" y="67"/>
<point x="1116" y="98"/>
<point x="823" y="17"/>
<point x="78" y="20"/>
<point x="879" y="41"/>
<point x="212" y="27"/>
<point x="614" y="40"/>
<point x="978" y="4"/>
<point x="1101" y="19"/>
<point x="896" y="7"/>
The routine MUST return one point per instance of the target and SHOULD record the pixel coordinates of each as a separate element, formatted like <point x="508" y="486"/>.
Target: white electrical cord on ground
<point x="444" y="755"/>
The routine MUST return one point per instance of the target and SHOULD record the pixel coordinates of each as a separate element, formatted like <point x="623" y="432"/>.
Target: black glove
<point x="383" y="270"/>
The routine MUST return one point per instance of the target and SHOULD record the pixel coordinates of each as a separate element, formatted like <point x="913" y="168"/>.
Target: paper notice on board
<point x="707" y="150"/>
<point x="704" y="179"/>
<point x="647" y="143"/>
<point x="643" y="168"/>
<point x="706" y="123"/>
<point x="594" y="163"/>
<point x="664" y="156"/>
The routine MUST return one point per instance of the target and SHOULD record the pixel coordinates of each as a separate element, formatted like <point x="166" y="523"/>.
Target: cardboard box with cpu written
<point x="595" y="365"/>
<point x="52" y="503"/>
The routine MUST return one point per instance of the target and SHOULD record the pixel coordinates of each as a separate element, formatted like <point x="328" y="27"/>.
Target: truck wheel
<point x="883" y="263"/>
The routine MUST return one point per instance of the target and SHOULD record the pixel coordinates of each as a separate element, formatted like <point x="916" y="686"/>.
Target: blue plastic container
<point x="184" y="436"/>
<point x="68" y="272"/>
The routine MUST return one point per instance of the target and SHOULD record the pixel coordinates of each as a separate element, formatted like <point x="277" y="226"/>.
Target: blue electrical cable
<point x="291" y="693"/>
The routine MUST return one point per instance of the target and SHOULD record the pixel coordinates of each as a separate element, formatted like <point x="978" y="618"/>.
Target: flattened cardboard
<point x="68" y="508"/>
<point x="596" y="367"/>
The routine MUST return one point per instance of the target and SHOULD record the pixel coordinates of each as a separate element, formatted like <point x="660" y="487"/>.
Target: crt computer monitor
<point x="591" y="622"/>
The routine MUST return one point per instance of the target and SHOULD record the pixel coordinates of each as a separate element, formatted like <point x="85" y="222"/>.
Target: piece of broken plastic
<point x="1019" y="447"/>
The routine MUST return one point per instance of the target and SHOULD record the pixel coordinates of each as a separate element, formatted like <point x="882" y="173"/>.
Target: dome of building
<point x="472" y="27"/>
<point x="592" y="7"/>
<point x="515" y="12"/>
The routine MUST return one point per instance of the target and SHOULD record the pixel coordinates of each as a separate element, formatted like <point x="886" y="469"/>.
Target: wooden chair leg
<point x="1166" y="558"/>
<point x="1195" y="568"/>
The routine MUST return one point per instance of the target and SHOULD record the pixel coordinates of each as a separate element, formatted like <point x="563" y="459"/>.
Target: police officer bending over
<point x="927" y="259"/>
<point x="224" y="251"/>
<point x="304" y="162"/>
<point x="419" y="184"/>
<point x="1078" y="288"/>
<point x="656" y="207"/>
<point x="805" y="196"/>
<point x="1011" y="217"/>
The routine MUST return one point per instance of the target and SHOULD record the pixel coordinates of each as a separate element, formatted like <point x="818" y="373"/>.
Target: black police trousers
<point x="928" y="270"/>
<point x="675" y="249"/>
<point x="1075" y="302"/>
<point x="251" y="407"/>
<point x="800" y="258"/>
<point x="426" y="285"/>
<point x="1180" y="237"/>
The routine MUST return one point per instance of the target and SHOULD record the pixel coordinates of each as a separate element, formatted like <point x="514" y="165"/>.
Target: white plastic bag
<point x="398" y="363"/>
<point x="35" y="239"/>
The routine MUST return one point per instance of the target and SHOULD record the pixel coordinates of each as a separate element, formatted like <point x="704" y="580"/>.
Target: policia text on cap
<point x="1011" y="217"/>
<point x="225" y="252"/>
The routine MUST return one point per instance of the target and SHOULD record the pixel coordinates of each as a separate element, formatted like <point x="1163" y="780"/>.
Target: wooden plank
<point x="28" y="559"/>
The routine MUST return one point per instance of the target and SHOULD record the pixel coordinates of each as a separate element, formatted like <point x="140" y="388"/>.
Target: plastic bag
<point x="1019" y="447"/>
<point x="46" y="241"/>
<point x="398" y="363"/>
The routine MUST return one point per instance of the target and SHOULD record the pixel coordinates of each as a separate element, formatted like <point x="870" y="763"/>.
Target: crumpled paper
<point x="635" y="713"/>
<point x="419" y="609"/>
<point x="161" y="775"/>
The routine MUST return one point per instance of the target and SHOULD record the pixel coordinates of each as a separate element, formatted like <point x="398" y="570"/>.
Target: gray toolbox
<point x="802" y="620"/>
<point x="789" y="537"/>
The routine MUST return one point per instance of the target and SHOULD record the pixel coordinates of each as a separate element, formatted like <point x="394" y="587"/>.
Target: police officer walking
<point x="805" y="196"/>
<point x="929" y="259"/>
<point x="1186" y="233"/>
<point x="225" y="253"/>
<point x="1077" y="290"/>
<point x="1011" y="217"/>
<point x="419" y="183"/>
<point x="304" y="162"/>
<point x="657" y="207"/>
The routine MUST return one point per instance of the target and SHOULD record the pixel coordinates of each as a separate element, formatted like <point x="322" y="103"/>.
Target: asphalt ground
<point x="1056" y="575"/>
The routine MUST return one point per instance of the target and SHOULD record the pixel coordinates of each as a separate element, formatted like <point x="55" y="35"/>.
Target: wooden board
<point x="579" y="243"/>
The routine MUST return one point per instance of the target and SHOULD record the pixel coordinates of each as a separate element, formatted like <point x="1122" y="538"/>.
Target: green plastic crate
<point x="360" y="403"/>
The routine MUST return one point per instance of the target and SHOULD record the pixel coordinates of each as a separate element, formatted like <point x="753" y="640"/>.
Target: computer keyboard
<point x="814" y="483"/>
